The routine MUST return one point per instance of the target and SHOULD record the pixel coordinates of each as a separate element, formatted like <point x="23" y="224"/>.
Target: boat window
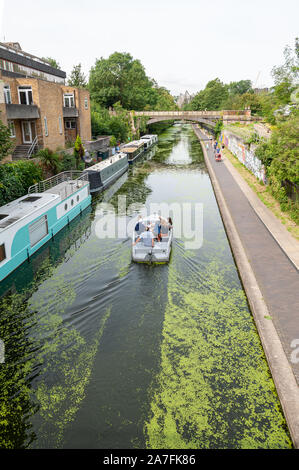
<point x="72" y="202"/>
<point x="38" y="230"/>
<point x="8" y="222"/>
<point x="2" y="216"/>
<point x="78" y="198"/>
<point x="65" y="207"/>
<point x="2" y="253"/>
<point x="31" y="199"/>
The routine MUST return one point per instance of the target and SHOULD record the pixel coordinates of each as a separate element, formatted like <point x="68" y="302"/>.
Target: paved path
<point x="277" y="276"/>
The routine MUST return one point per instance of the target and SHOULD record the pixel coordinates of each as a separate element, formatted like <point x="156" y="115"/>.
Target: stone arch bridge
<point x="208" y="118"/>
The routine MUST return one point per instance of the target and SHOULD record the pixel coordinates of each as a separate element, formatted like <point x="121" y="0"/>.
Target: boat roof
<point x="23" y="207"/>
<point x="134" y="143"/>
<point x="109" y="161"/>
<point x="130" y="149"/>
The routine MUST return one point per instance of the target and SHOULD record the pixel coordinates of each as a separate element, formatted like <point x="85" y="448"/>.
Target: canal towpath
<point x="269" y="276"/>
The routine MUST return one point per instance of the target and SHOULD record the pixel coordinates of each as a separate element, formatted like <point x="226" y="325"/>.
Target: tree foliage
<point x="79" y="152"/>
<point x="52" y="62"/>
<point x="211" y="98"/>
<point x="240" y="87"/>
<point x="77" y="77"/>
<point x="5" y="141"/>
<point x="104" y="124"/>
<point x="16" y="178"/>
<point x="122" y="79"/>
<point x="49" y="160"/>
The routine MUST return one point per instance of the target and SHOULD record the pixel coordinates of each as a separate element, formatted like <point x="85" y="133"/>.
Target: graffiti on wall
<point x="244" y="155"/>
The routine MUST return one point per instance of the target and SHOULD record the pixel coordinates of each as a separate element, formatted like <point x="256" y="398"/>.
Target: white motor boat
<point x="142" y="249"/>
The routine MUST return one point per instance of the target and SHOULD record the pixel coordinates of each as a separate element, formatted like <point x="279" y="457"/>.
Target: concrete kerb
<point x="283" y="377"/>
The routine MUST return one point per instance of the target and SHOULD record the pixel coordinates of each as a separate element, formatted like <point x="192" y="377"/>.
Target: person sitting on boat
<point x="147" y="237"/>
<point x="170" y="225"/>
<point x="157" y="229"/>
<point x="139" y="227"/>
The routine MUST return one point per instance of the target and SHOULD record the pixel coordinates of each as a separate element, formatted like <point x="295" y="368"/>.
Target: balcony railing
<point x="70" y="112"/>
<point x="22" y="111"/>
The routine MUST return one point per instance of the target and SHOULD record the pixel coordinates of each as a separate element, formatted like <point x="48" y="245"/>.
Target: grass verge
<point x="263" y="193"/>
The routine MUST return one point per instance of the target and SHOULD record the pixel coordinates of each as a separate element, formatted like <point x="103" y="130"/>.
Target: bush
<point x="68" y="162"/>
<point x="16" y="178"/>
<point x="49" y="160"/>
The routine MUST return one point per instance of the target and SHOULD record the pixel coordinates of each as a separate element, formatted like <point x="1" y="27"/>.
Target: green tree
<point x="240" y="87"/>
<point x="52" y="62"/>
<point x="165" y="101"/>
<point x="211" y="98"/>
<point x="5" y="141"/>
<point x="286" y="76"/>
<point x="104" y="124"/>
<point x="120" y="78"/>
<point x="78" y="152"/>
<point x="16" y="178"/>
<point x="77" y="77"/>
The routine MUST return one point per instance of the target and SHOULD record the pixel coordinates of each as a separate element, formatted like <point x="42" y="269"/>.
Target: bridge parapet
<point x="179" y="114"/>
<point x="207" y="117"/>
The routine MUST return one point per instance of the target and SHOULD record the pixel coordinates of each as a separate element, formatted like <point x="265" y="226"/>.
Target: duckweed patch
<point x="214" y="389"/>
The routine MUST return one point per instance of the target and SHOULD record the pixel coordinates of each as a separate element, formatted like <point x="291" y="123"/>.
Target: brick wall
<point x="48" y="96"/>
<point x="51" y="108"/>
<point x="83" y="121"/>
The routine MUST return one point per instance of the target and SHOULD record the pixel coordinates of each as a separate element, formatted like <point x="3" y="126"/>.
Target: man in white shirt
<point x="147" y="237"/>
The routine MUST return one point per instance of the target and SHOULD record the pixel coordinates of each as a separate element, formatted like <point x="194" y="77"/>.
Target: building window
<point x="86" y="103"/>
<point x="7" y="95"/>
<point x="69" y="101"/>
<point x="11" y="126"/>
<point x="25" y="95"/>
<point x="2" y="253"/>
<point x="46" y="127"/>
<point x="60" y="125"/>
<point x="70" y="124"/>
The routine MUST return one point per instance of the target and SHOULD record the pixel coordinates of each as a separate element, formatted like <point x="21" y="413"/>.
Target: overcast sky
<point x="181" y="43"/>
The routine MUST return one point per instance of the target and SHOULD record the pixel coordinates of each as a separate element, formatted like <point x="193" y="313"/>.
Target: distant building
<point x="183" y="99"/>
<point x="37" y="106"/>
<point x="258" y="91"/>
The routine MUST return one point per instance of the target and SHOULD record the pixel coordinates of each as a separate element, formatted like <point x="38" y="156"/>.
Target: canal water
<point x="104" y="353"/>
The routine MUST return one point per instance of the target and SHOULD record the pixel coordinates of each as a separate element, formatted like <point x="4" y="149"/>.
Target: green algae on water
<point x="214" y="389"/>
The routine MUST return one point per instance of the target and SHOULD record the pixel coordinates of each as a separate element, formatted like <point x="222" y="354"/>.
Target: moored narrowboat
<point x="150" y="140"/>
<point x="134" y="149"/>
<point x="104" y="173"/>
<point x="30" y="221"/>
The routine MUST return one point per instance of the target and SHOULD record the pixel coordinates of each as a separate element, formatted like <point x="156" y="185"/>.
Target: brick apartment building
<point x="37" y="106"/>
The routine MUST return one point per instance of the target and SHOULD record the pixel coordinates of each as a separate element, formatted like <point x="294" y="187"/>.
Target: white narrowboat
<point x="30" y="221"/>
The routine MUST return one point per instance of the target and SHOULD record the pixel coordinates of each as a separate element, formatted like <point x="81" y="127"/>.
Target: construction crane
<point x="256" y="80"/>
